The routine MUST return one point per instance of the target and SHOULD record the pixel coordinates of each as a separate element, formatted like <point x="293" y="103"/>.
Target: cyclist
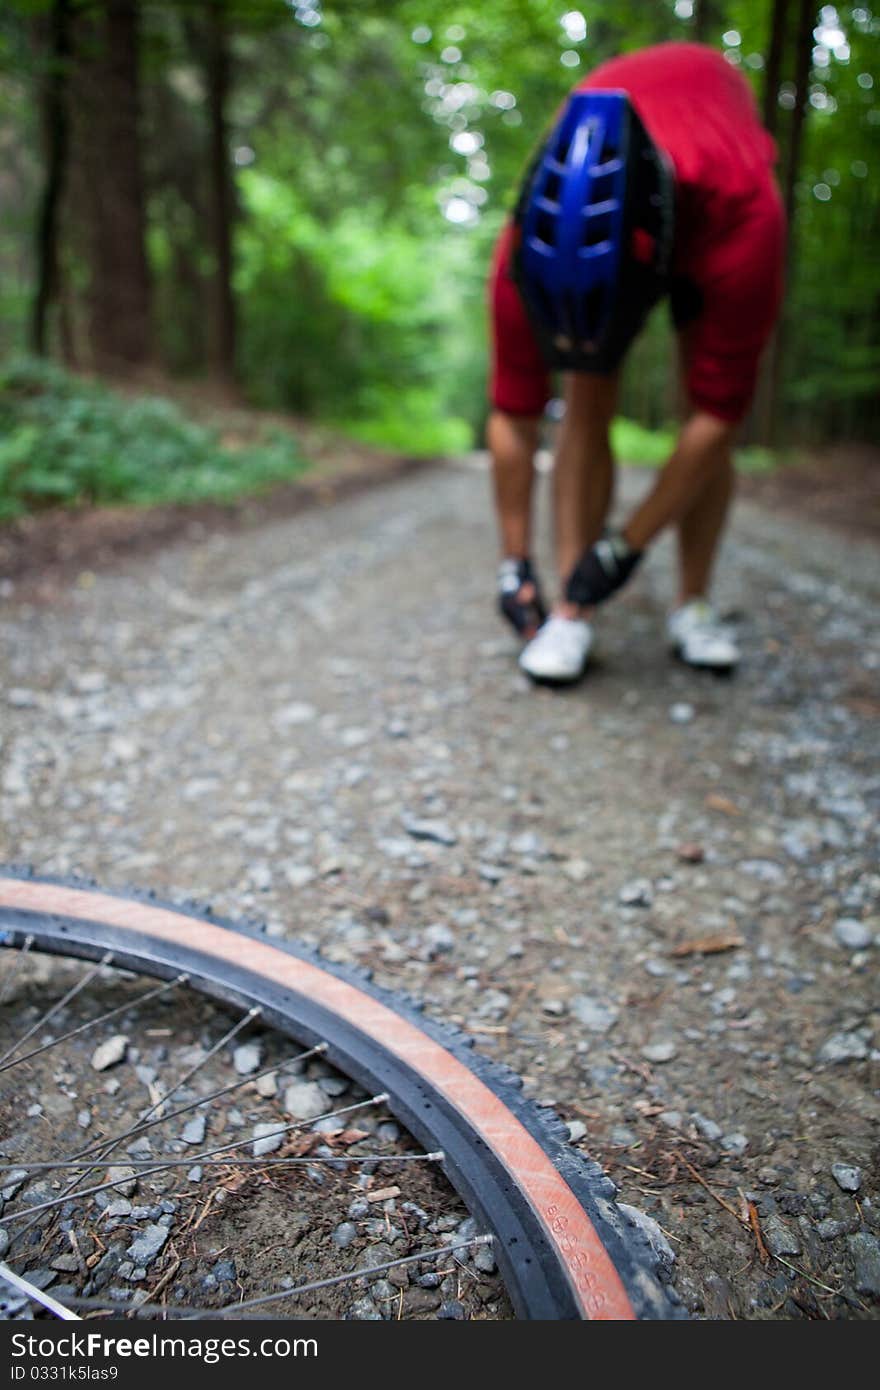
<point x="657" y="178"/>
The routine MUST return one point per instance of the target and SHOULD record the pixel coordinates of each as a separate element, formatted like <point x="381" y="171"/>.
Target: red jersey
<point x="729" y="230"/>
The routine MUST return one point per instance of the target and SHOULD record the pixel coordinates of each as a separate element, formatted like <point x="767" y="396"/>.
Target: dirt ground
<point x="655" y="896"/>
<point x="234" y="1231"/>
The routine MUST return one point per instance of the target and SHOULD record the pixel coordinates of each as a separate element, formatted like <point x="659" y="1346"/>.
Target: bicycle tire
<point x="564" y="1249"/>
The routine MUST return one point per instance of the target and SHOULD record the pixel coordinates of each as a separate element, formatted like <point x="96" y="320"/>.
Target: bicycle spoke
<point x="105" y="1147"/>
<point x="38" y="1295"/>
<point x="56" y="1008"/>
<point x="296" y="1292"/>
<point x="315" y="1176"/>
<point x="212" y="1095"/>
<point x="195" y="1159"/>
<point x="93" y="1023"/>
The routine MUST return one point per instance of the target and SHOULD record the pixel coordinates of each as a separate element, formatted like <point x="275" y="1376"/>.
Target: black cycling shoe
<point x="524" y="615"/>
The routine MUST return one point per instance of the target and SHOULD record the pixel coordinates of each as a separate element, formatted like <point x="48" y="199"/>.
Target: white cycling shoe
<point x="698" y="637"/>
<point x="559" y="653"/>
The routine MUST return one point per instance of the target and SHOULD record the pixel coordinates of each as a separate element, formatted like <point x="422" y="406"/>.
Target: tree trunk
<point x="706" y="20"/>
<point x="56" y="134"/>
<point x="802" y="61"/>
<point x="773" y="69"/>
<point x="107" y="106"/>
<point x="760" y="422"/>
<point x="221" y="348"/>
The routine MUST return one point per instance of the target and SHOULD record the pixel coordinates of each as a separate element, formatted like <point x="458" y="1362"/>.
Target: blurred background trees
<point x="296" y="199"/>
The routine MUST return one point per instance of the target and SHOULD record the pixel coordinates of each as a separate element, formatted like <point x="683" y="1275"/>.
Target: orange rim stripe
<point x="594" y="1279"/>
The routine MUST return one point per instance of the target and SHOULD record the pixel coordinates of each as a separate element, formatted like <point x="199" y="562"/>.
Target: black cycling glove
<point x="602" y="569"/>
<point x="525" y="615"/>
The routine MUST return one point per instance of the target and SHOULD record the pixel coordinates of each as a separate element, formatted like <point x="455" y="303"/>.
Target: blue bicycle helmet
<point x="594" y="232"/>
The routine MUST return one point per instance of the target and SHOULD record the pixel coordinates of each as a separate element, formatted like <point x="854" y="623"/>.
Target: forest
<point x="295" y="201"/>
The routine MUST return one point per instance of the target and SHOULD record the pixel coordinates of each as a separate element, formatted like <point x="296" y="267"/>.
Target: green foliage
<point x="632" y="443"/>
<point x="411" y="422"/>
<point x="359" y="318"/>
<point x="646" y="448"/>
<point x="66" y="441"/>
<point x="358" y="300"/>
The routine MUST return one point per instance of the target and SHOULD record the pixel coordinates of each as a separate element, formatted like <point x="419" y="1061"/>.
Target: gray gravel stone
<point x="865" y="1251"/>
<point x="147" y="1244"/>
<point x="651" y="1229"/>
<point x="374" y="1255"/>
<point x="452" y="1310"/>
<point x="681" y="712"/>
<point x="764" y="870"/>
<point x="40" y="1278"/>
<point x="672" y="1119"/>
<point x="194" y="1130"/>
<point x="556" y="1008"/>
<point x="304" y="1100"/>
<point x="623" y="1135"/>
<point x="735" y="1143"/>
<point x="596" y="1015"/>
<point x="109" y="1053"/>
<point x="364" y="1310"/>
<point x="4" y="1241"/>
<point x="638" y="893"/>
<point x="578" y="870"/>
<point x="707" y="1128"/>
<point x="843" y="1047"/>
<point x="779" y="1238"/>
<point x="852" y="935"/>
<point x="484" y="1259"/>
<point x="333" y="1086"/>
<point x="829" y="1229"/>
<point x="267" y="1137"/>
<point x="848" y="1179"/>
<point x="344" y="1234"/>
<point x="660" y="1051"/>
<point x="438" y="939"/>
<point x="247" y="1057"/>
<point x="12" y="1181"/>
<point x="124" y="1179"/>
<point x="436" y="830"/>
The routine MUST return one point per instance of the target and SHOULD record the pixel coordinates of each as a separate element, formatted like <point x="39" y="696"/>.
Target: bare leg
<point x="701" y="458"/>
<point x="583" y="478"/>
<point x="513" y="440"/>
<point x="700" y="529"/>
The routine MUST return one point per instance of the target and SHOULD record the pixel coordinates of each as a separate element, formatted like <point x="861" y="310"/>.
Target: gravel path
<point x="321" y="723"/>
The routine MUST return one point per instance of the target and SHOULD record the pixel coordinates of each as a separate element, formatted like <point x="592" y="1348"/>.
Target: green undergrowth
<point x="66" y="441"/>
<point x="646" y="448"/>
<point x="409" y="421"/>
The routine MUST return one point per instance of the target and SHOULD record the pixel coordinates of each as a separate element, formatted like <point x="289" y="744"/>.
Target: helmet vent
<point x="552" y="187"/>
<point x="597" y="229"/>
<point x="545" y="228"/>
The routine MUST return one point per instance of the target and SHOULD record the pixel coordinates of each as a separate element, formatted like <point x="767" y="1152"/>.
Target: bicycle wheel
<point x="563" y="1247"/>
